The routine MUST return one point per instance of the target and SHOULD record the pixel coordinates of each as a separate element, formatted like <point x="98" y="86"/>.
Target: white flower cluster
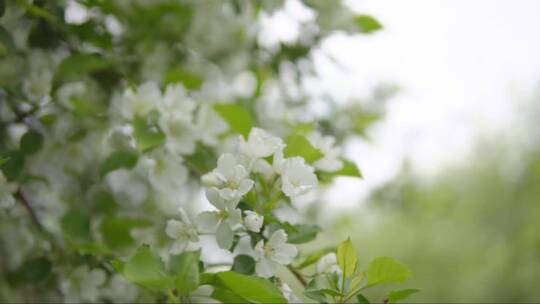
<point x="230" y="182"/>
<point x="179" y="117"/>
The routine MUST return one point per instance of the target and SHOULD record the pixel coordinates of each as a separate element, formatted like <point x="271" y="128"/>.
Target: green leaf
<point x="147" y="135"/>
<point x="386" y="270"/>
<point x="367" y="24"/>
<point x="401" y="294"/>
<point x="361" y="299"/>
<point x="302" y="234"/>
<point x="31" y="142"/>
<point x="3" y="160"/>
<point x="31" y="271"/>
<point x="191" y="81"/>
<point x="185" y="268"/>
<point x="104" y="202"/>
<point x="92" y="248"/>
<point x="83" y="108"/>
<point x="346" y="258"/>
<point x="202" y="161"/>
<point x="117" y="160"/>
<point x="299" y="145"/>
<point x="243" y="264"/>
<point x="238" y="118"/>
<point x="116" y="231"/>
<point x="252" y="289"/>
<point x="14" y="164"/>
<point x="76" y="224"/>
<point x="147" y="270"/>
<point x="78" y="65"/>
<point x="317" y="289"/>
<point x="227" y="296"/>
<point x="349" y="169"/>
<point x="7" y="44"/>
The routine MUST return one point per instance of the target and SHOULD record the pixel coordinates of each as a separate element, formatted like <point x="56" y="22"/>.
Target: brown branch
<point x="20" y="196"/>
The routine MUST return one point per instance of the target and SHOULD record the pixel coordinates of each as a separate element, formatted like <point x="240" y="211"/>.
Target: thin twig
<point x="298" y="276"/>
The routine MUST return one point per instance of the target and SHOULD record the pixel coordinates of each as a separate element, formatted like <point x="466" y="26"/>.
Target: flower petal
<point x="207" y="221"/>
<point x="285" y="254"/>
<point x="173" y="226"/>
<point x="213" y="196"/>
<point x="277" y="239"/>
<point x="265" y="268"/>
<point x="224" y="235"/>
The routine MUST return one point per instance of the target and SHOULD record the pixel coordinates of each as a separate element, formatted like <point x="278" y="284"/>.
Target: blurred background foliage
<point x="471" y="233"/>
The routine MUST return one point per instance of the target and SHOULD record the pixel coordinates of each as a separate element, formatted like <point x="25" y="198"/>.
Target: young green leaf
<point x="185" y="268"/>
<point x="238" y="118"/>
<point x="116" y="231"/>
<point x="349" y="169"/>
<point x="252" y="289"/>
<point x="190" y="80"/>
<point x="302" y="233"/>
<point x="78" y="65"/>
<point x="117" y="160"/>
<point x="147" y="270"/>
<point x="147" y="136"/>
<point x="346" y="258"/>
<point x="299" y="145"/>
<point x="402" y="294"/>
<point x="386" y="270"/>
<point x="367" y="24"/>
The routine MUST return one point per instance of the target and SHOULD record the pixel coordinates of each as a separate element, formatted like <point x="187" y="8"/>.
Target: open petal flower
<point x="275" y="252"/>
<point x="230" y="177"/>
<point x="328" y="263"/>
<point x="297" y="177"/>
<point x="182" y="232"/>
<point x="223" y="221"/>
<point x="260" y="144"/>
<point x="331" y="160"/>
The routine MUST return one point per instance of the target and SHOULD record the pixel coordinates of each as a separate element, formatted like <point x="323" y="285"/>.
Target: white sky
<point x="463" y="66"/>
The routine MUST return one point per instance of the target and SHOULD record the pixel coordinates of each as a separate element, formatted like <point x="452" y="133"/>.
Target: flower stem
<point x="298" y="276"/>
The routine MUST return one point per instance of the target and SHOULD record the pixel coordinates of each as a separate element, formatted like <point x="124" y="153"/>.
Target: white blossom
<point x="223" y="221"/>
<point x="182" y="231"/>
<point x="119" y="290"/>
<point x="230" y="177"/>
<point x="328" y="263"/>
<point x="260" y="144"/>
<point x="331" y="161"/>
<point x="83" y="285"/>
<point x="128" y="188"/>
<point x="253" y="221"/>
<point x="208" y="125"/>
<point x="141" y="101"/>
<point x="297" y="177"/>
<point x="275" y="252"/>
